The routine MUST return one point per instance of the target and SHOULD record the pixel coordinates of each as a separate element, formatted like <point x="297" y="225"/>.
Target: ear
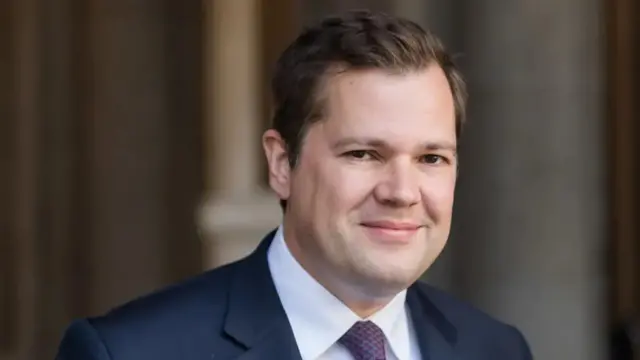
<point x="275" y="150"/>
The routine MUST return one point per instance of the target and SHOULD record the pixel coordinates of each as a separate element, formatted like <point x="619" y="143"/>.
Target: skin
<point x="370" y="199"/>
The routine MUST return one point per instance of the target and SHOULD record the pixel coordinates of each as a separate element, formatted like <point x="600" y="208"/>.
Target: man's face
<point x="371" y="196"/>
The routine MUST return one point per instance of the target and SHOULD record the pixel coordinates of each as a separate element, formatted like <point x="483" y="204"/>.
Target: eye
<point x="360" y="154"/>
<point x="433" y="159"/>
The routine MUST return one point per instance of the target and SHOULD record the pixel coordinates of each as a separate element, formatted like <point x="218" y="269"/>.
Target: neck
<point x="364" y="309"/>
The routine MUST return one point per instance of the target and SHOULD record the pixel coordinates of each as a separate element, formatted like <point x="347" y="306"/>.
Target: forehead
<point x="378" y="102"/>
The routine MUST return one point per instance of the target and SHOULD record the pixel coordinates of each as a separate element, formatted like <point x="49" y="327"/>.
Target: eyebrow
<point x="376" y="142"/>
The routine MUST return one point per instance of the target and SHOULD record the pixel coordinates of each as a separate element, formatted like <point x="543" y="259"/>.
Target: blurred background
<point x="130" y="157"/>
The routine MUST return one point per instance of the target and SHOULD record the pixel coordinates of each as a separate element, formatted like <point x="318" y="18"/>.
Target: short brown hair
<point x="354" y="40"/>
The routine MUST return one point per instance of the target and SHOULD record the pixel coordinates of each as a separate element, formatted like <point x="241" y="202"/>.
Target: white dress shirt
<point x="318" y="319"/>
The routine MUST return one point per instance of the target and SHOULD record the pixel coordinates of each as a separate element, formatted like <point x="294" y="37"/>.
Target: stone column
<point x="530" y="225"/>
<point x="313" y="11"/>
<point x="238" y="211"/>
<point x="25" y="50"/>
<point x="416" y="10"/>
<point x="128" y="137"/>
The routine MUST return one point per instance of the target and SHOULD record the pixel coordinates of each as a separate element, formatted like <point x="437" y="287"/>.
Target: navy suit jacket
<point x="234" y="312"/>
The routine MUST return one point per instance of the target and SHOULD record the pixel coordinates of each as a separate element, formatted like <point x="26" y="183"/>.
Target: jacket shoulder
<point x="475" y="328"/>
<point x="182" y="301"/>
<point x="183" y="316"/>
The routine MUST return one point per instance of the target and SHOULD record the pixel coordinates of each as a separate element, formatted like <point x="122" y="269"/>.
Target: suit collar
<point x="435" y="334"/>
<point x="255" y="317"/>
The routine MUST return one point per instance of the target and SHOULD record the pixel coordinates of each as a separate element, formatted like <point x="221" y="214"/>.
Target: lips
<point x="392" y="225"/>
<point x="391" y="232"/>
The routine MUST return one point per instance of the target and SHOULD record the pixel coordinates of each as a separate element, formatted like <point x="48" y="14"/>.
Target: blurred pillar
<point x="416" y="10"/>
<point x="127" y="146"/>
<point x="531" y="221"/>
<point x="24" y="49"/>
<point x="233" y="94"/>
<point x="623" y="110"/>
<point x="314" y="10"/>
<point x="238" y="211"/>
<point x="623" y="63"/>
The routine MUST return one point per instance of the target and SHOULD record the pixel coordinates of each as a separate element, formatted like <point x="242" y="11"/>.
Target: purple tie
<point x="365" y="341"/>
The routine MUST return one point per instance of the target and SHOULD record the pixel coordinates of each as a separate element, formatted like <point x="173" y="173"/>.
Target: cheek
<point x="439" y="193"/>
<point x="345" y="188"/>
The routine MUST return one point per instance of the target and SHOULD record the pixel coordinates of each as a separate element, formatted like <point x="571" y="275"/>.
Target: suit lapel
<point x="275" y="346"/>
<point x="256" y="318"/>
<point x="435" y="334"/>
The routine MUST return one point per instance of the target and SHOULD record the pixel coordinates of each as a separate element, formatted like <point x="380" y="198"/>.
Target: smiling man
<point x="362" y="153"/>
<point x="370" y="194"/>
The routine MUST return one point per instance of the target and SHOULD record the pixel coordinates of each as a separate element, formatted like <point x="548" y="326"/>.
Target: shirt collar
<point x="307" y="303"/>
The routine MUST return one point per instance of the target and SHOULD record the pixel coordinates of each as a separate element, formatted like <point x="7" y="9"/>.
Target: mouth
<point x="395" y="232"/>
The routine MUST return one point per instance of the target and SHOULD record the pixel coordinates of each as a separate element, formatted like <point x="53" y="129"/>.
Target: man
<point x="368" y="111"/>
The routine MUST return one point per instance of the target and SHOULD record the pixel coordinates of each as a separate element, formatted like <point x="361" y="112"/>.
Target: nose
<point x="398" y="185"/>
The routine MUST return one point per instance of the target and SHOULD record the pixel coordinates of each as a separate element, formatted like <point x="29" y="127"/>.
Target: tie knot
<point x="365" y="341"/>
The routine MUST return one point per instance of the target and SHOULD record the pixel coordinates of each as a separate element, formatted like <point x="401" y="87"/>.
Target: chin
<point x="385" y="286"/>
<point x="391" y="278"/>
